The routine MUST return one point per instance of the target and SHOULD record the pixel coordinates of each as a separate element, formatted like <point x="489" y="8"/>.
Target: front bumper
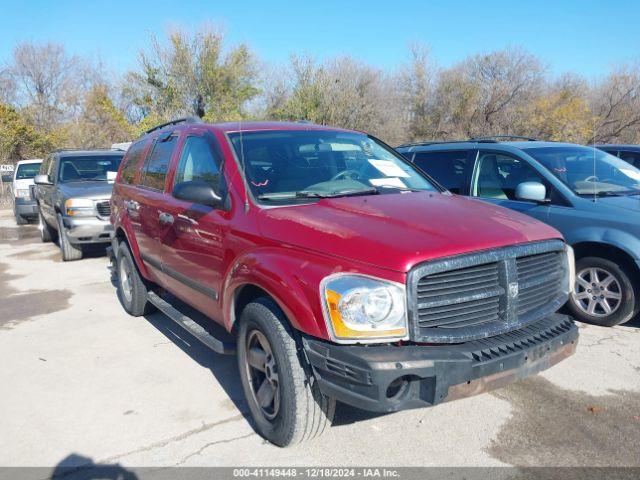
<point x="391" y="378"/>
<point x="88" y="230"/>
<point x="25" y="207"/>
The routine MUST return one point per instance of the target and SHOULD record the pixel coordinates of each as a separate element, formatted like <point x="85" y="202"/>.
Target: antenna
<point x="595" y="195"/>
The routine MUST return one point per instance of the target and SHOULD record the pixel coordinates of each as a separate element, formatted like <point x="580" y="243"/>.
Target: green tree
<point x="19" y="140"/>
<point x="193" y="75"/>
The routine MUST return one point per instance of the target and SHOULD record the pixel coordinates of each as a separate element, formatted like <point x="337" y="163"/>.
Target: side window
<point x="199" y="160"/>
<point x="131" y="160"/>
<point x="632" y="157"/>
<point x="497" y="176"/>
<point x="449" y="168"/>
<point x="155" y="170"/>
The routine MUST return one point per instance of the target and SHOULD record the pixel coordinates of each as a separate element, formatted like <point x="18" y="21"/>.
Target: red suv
<point x="339" y="270"/>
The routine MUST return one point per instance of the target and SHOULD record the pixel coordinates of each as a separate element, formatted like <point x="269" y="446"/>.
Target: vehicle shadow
<point x="78" y="467"/>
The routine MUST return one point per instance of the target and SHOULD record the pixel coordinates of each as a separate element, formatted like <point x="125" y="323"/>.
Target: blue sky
<point x="584" y="36"/>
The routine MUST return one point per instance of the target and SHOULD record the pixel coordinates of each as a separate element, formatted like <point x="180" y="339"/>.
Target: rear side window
<point x="448" y="168"/>
<point x="158" y="162"/>
<point x="131" y="161"/>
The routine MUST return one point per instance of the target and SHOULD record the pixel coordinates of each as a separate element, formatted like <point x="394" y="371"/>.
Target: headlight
<point x="571" y="268"/>
<point x="76" y="207"/>
<point x="22" y="193"/>
<point x="363" y="309"/>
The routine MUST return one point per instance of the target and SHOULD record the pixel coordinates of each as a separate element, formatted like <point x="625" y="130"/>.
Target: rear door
<point x="45" y="194"/>
<point x="495" y="178"/>
<point x="147" y="200"/>
<point x="450" y="168"/>
<point x="193" y="238"/>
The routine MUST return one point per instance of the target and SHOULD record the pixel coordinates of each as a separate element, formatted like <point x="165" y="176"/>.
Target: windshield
<point x="286" y="166"/>
<point x="27" y="170"/>
<point x="89" y="168"/>
<point x="589" y="171"/>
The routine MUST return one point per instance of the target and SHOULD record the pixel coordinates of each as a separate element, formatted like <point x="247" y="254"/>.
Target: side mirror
<point x="42" y="179"/>
<point x="111" y="176"/>
<point x="531" y="191"/>
<point x="197" y="191"/>
<point x="7" y="178"/>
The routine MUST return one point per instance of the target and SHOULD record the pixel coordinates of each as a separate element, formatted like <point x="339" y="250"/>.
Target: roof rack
<point x="499" y="138"/>
<point x="175" y="122"/>
<point x="427" y="143"/>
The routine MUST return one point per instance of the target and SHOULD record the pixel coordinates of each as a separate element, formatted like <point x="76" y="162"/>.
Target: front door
<point x="496" y="176"/>
<point x="193" y="238"/>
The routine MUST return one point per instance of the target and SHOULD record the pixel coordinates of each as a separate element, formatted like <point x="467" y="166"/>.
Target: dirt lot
<point x="82" y="381"/>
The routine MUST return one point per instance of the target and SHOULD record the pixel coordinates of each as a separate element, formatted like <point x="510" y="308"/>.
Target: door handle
<point x="131" y="206"/>
<point x="165" y="218"/>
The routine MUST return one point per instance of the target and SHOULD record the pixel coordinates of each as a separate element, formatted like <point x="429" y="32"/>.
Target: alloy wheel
<point x="597" y="292"/>
<point x="124" y="275"/>
<point x="262" y="372"/>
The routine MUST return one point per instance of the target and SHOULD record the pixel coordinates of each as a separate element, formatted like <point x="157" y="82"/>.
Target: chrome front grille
<point x="103" y="209"/>
<point x="539" y="278"/>
<point x="483" y="294"/>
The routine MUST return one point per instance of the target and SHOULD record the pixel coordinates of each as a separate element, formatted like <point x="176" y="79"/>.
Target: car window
<point x="304" y="165"/>
<point x="87" y="168"/>
<point x="157" y="163"/>
<point x="588" y="171"/>
<point x="498" y="175"/>
<point x="449" y="168"/>
<point x="131" y="161"/>
<point x="632" y="157"/>
<point x="27" y="170"/>
<point x="200" y="161"/>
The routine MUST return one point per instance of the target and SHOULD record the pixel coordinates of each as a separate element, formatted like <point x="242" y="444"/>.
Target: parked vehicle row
<point x="340" y="270"/>
<point x="591" y="197"/>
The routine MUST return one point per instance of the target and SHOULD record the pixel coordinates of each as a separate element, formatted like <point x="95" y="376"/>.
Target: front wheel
<point x="285" y="402"/>
<point x="69" y="251"/>
<point x="603" y="293"/>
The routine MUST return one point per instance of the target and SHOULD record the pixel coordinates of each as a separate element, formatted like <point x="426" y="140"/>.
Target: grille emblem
<point x="513" y="289"/>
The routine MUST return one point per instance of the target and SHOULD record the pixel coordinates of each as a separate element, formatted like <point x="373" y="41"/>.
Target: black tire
<point x="135" y="303"/>
<point x="626" y="306"/>
<point x="47" y="234"/>
<point x="303" y="412"/>
<point x="20" y="220"/>
<point x="70" y="252"/>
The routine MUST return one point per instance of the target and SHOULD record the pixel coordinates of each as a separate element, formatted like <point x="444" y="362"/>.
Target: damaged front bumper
<point x="390" y="378"/>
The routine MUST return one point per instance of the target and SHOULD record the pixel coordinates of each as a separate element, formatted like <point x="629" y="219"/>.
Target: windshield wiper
<point x="312" y="194"/>
<point x="612" y="193"/>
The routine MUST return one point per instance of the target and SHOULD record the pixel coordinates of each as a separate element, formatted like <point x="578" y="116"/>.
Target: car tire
<point x="611" y="283"/>
<point x="20" y="220"/>
<point x="47" y="234"/>
<point x="301" y="411"/>
<point x="70" y="252"/>
<point x="132" y="289"/>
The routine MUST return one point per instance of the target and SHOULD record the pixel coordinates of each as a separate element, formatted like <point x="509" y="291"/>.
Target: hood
<point x="628" y="202"/>
<point x="23" y="183"/>
<point x="397" y="231"/>
<point x="95" y="189"/>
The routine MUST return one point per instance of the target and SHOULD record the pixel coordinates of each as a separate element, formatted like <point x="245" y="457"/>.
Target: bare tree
<point x="49" y="83"/>
<point x="616" y="105"/>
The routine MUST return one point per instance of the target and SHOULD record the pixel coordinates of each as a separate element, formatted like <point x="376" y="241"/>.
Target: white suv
<point x="24" y="203"/>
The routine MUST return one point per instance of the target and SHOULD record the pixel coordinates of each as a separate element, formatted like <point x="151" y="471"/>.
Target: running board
<point x="190" y="326"/>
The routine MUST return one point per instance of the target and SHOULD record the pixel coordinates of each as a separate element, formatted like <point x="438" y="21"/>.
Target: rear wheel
<point x="132" y="290"/>
<point x="285" y="402"/>
<point x="69" y="251"/>
<point x="603" y="293"/>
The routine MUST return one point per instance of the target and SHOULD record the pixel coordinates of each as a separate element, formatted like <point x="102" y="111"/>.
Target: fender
<point x="292" y="277"/>
<point x="628" y="243"/>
